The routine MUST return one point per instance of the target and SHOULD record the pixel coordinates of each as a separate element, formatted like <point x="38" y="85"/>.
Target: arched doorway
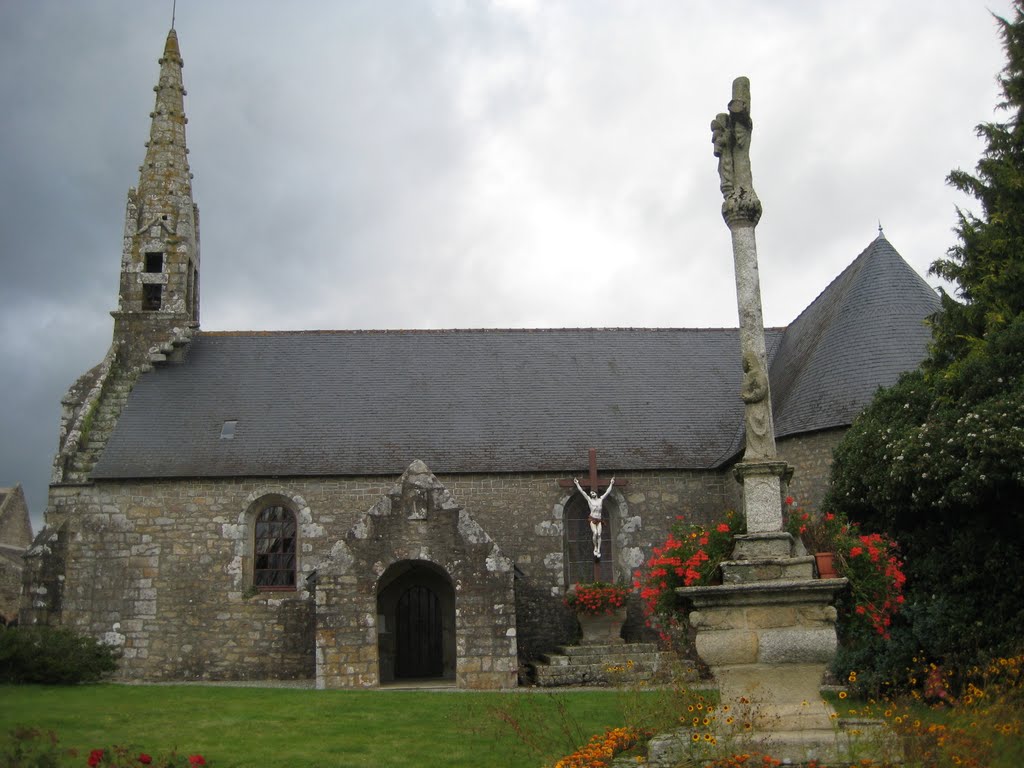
<point x="416" y="622"/>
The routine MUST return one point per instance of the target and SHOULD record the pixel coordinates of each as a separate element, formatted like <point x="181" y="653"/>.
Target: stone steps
<point x="115" y="395"/>
<point x="604" y="665"/>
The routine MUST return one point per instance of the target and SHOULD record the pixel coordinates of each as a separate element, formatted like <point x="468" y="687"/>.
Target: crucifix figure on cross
<point x="595" y="503"/>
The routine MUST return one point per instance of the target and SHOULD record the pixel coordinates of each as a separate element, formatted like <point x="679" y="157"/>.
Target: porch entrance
<point x="416" y="617"/>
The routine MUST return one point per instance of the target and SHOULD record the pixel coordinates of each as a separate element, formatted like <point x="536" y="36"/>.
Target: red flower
<point x="196" y="760"/>
<point x="854" y="551"/>
<point x="789" y="500"/>
<point x="145" y="759"/>
<point x="94" y="757"/>
<point x="722" y="528"/>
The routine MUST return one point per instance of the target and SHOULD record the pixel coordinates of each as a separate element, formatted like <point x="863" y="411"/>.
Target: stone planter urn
<point x="602" y="628"/>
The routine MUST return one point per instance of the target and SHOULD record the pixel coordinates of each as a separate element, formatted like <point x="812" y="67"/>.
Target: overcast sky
<point x="443" y="164"/>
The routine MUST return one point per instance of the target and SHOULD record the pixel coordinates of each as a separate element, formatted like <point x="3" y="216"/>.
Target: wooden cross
<point x="593" y="482"/>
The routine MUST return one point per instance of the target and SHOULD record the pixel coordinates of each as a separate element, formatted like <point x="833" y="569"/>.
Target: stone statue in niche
<point x="595" y="503"/>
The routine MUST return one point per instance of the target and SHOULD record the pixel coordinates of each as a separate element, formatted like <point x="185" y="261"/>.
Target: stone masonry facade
<point x="163" y="569"/>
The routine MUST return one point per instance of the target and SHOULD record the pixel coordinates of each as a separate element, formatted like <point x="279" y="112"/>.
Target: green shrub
<point x="52" y="655"/>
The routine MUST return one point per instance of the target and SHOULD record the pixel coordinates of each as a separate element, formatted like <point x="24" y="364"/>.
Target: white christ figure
<point x="595" y="503"/>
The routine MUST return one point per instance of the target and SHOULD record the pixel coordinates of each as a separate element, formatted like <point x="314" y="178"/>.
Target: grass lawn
<point x="267" y="728"/>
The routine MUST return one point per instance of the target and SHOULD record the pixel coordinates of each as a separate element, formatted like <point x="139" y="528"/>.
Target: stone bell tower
<point x="158" y="300"/>
<point x="156" y="316"/>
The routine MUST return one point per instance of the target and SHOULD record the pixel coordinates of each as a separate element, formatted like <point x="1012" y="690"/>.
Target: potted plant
<point x="600" y="609"/>
<point x="869" y="561"/>
<point x="823" y="535"/>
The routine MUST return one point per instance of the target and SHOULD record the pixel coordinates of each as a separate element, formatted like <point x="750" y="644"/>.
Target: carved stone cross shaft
<point x="760" y="471"/>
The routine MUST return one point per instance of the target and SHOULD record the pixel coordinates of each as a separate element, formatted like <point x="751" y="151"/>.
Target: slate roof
<point x="865" y="329"/>
<point x="492" y="401"/>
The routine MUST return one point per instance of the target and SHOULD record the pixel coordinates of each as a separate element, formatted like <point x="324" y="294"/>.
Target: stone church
<point x="362" y="507"/>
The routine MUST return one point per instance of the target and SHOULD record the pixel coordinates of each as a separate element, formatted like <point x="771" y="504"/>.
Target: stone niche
<point x="416" y="590"/>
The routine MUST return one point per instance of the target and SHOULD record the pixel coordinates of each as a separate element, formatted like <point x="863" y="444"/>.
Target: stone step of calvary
<point x="609" y="665"/>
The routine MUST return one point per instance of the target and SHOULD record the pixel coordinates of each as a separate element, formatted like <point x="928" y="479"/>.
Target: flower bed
<point x="603" y="748"/>
<point x="690" y="556"/>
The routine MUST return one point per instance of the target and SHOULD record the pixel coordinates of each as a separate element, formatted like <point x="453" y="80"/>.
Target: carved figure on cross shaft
<point x="730" y="134"/>
<point x="754" y="392"/>
<point x="595" y="503"/>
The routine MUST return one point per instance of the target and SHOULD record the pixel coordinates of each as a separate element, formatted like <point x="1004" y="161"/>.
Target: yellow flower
<point x="842" y="694"/>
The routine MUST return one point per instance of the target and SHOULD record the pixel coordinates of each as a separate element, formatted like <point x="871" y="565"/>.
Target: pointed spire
<point x="165" y="170"/>
<point x="159" y="292"/>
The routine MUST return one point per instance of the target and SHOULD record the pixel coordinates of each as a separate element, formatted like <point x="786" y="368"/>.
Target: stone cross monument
<point x="760" y="471"/>
<point x="767" y="632"/>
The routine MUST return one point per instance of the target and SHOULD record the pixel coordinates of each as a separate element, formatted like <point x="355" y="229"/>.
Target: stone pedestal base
<point x="768" y="644"/>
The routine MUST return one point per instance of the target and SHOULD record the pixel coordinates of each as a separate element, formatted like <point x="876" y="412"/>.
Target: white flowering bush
<point x="937" y="462"/>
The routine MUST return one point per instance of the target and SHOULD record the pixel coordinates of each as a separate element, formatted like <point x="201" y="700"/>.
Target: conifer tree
<point x="987" y="264"/>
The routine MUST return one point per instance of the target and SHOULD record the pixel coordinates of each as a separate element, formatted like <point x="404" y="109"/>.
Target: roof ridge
<point x="428" y="331"/>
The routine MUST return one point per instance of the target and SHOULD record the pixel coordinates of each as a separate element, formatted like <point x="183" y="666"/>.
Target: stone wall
<point x="15" y="539"/>
<point x="811" y="455"/>
<point x="163" y="568"/>
<point x="11" y="573"/>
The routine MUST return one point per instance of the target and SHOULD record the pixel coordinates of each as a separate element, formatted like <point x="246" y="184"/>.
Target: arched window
<point x="274" y="549"/>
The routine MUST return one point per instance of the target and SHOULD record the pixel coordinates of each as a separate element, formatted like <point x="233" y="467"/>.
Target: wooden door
<point x="418" y="643"/>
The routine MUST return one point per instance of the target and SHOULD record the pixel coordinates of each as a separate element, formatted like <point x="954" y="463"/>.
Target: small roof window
<point x="227" y="432"/>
